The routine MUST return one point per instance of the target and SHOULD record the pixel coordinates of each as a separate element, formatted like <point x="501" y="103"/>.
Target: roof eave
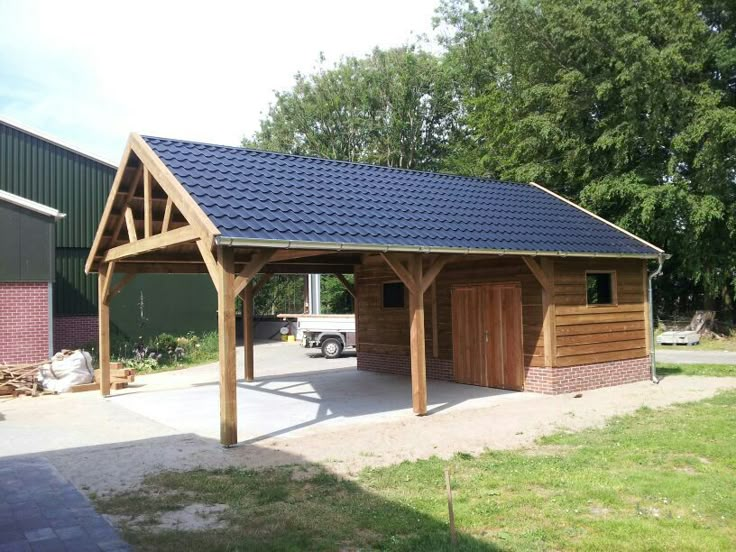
<point x="381" y="248"/>
<point x="30" y="205"/>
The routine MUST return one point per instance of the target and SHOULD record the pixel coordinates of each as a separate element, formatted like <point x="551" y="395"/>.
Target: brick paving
<point x="40" y="511"/>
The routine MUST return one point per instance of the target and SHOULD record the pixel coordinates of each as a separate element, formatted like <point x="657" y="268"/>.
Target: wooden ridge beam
<point x="160" y="241"/>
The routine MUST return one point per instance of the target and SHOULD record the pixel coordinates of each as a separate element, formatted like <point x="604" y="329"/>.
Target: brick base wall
<point x="24" y="321"/>
<point x="72" y="332"/>
<point x="571" y="379"/>
<point x="553" y="381"/>
<point x="401" y="365"/>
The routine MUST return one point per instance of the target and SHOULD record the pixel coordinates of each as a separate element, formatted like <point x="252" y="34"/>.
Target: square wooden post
<point x="226" y="335"/>
<point x="416" y="342"/>
<point x="247" y="297"/>
<point x="103" y="285"/>
<point x="549" y="327"/>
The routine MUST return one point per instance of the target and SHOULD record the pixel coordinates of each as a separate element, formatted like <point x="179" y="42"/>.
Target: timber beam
<point x="538" y="272"/>
<point x="350" y="288"/>
<point x="160" y="241"/>
<point x="257" y="262"/>
<point x="410" y="270"/>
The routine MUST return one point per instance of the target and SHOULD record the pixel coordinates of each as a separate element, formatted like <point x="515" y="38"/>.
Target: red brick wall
<point x="73" y="332"/>
<point x="24" y="321"/>
<point x="571" y="379"/>
<point x="397" y="364"/>
<point x="552" y="381"/>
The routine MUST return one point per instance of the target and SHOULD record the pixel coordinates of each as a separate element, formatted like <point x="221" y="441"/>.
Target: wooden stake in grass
<point x="453" y="535"/>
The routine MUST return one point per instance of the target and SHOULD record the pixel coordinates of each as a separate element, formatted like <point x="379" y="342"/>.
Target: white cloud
<point x="91" y="72"/>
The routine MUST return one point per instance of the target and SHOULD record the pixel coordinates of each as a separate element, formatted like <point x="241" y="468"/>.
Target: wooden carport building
<point x="523" y="289"/>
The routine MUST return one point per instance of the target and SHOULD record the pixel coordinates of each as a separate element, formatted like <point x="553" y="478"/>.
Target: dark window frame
<point x="614" y="285"/>
<point x="383" y="295"/>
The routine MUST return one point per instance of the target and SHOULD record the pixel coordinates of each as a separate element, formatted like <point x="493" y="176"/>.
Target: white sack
<point x="65" y="371"/>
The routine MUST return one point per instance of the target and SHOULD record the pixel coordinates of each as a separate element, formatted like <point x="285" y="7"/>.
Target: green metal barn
<point x="44" y="170"/>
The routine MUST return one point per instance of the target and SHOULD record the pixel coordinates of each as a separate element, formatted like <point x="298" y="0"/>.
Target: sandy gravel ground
<point x="102" y="447"/>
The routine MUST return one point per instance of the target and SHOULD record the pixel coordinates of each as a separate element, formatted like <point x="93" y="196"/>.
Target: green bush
<point x="166" y="351"/>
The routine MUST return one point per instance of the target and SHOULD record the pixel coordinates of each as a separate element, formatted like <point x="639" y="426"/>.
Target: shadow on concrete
<point x="299" y="401"/>
<point x="367" y="520"/>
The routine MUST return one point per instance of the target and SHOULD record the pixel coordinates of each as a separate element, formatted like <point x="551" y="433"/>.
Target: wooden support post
<point x="147" y="204"/>
<point x="226" y="334"/>
<point x="167" y="215"/>
<point x="247" y="296"/>
<point x="130" y="223"/>
<point x="416" y="342"/>
<point x="435" y="322"/>
<point x="548" y="308"/>
<point x="645" y="302"/>
<point x="103" y="286"/>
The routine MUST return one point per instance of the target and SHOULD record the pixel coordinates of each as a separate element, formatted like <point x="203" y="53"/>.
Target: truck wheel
<point x="331" y="348"/>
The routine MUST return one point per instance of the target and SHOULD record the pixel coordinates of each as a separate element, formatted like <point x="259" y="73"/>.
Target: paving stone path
<point x="42" y="511"/>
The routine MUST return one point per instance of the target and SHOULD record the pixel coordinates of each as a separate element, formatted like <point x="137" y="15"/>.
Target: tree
<point x="394" y="108"/>
<point x="627" y="107"/>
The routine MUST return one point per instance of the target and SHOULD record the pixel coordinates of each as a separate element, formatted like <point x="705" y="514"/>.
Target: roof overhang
<point x="31" y="205"/>
<point x="381" y="248"/>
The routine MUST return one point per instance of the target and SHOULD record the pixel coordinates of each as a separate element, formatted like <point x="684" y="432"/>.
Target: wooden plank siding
<point x="386" y="331"/>
<point x="587" y="334"/>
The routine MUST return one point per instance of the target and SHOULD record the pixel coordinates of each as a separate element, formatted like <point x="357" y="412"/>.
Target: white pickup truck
<point x="333" y="333"/>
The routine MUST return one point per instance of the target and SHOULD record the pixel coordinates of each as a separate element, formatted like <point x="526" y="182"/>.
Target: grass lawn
<point x="664" y="370"/>
<point x="656" y="480"/>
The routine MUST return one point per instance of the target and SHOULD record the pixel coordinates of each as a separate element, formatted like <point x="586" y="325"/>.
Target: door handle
<point x="485" y="336"/>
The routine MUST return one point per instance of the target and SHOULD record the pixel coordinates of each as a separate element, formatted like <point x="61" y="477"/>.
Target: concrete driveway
<point x="691" y="355"/>
<point x="294" y="389"/>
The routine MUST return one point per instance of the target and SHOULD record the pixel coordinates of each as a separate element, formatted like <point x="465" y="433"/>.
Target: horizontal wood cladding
<point x="584" y="334"/>
<point x="587" y="334"/>
<point x="386" y="330"/>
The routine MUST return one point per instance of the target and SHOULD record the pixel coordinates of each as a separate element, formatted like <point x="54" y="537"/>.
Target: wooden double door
<point x="487" y="335"/>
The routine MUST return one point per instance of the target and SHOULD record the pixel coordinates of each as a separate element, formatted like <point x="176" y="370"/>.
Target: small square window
<point x="600" y="288"/>
<point x="393" y="295"/>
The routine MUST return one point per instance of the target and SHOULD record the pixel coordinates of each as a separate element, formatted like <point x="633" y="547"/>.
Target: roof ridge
<point x="478" y="179"/>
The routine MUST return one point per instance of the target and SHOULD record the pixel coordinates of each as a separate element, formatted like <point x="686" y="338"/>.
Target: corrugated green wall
<point x="42" y="171"/>
<point x="55" y="176"/>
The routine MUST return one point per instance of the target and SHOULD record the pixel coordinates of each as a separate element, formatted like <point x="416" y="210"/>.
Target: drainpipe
<point x="652" y="359"/>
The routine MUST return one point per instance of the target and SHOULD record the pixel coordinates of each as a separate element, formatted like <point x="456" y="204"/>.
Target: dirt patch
<point x="304" y="473"/>
<point x="194" y="517"/>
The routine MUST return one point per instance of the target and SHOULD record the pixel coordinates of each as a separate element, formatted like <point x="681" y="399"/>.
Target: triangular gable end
<point x="147" y="210"/>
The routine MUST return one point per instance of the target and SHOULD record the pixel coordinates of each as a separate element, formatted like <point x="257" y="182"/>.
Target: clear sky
<point x="91" y="72"/>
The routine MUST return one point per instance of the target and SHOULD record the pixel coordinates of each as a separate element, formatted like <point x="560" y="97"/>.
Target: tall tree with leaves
<point x="394" y="107"/>
<point x="628" y="107"/>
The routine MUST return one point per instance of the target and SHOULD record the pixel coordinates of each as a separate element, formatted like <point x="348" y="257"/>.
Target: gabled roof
<point x="254" y="197"/>
<point x="31" y="205"/>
